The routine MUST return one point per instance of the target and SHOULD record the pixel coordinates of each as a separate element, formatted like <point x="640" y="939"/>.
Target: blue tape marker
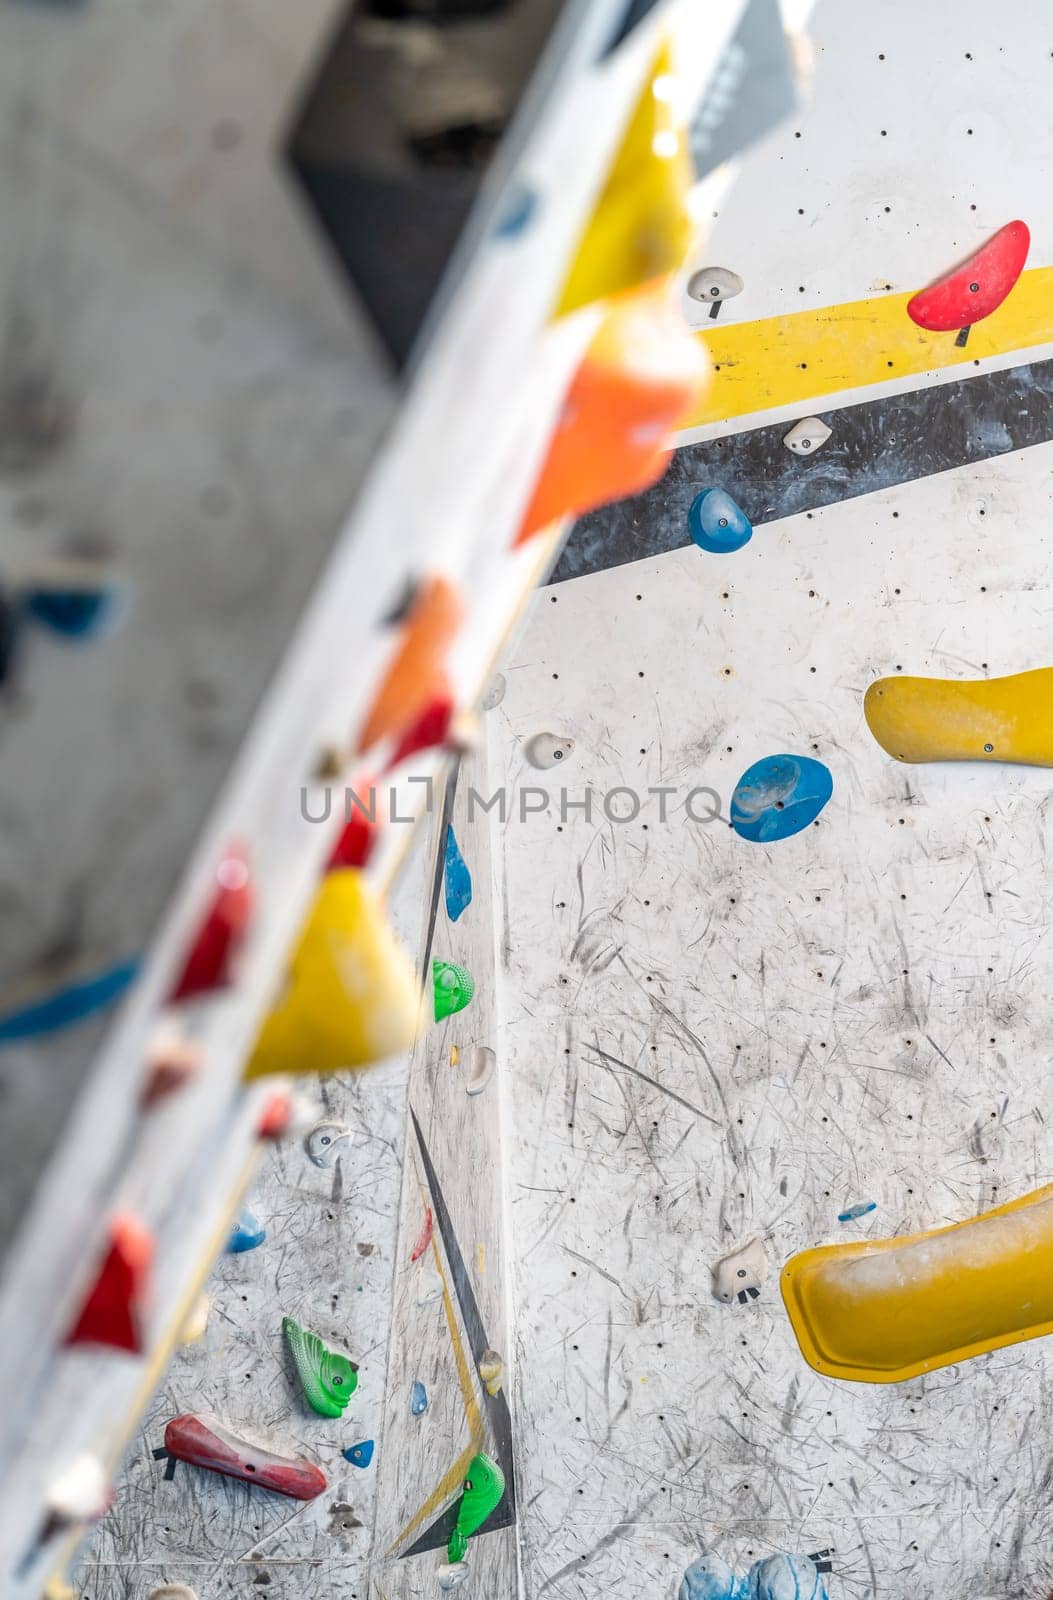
<point x="68" y="1005"/>
<point x="855" y="1211"/>
<point x="359" y="1455"/>
<point x="778" y="796"/>
<point x="458" y="879"/>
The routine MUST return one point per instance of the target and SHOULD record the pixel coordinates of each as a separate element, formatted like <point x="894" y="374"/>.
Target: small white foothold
<point x="714" y="284"/>
<point x="495" y="694"/>
<point x="173" y="1591"/>
<point x="451" y="1574"/>
<point x="429" y="1288"/>
<point x="806" y="436"/>
<point x="327" y="1141"/>
<point x="740" y="1273"/>
<point x="482" y="1064"/>
<point x="196" y="1322"/>
<point x="547" y="750"/>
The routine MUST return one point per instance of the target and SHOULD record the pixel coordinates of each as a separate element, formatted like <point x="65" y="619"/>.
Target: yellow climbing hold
<point x="887" y="1310"/>
<point x="972" y="719"/>
<point x="640" y="228"/>
<point x="351" y="997"/>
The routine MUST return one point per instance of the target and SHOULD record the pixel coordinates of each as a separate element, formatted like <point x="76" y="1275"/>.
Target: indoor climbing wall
<point x="749" y="1018"/>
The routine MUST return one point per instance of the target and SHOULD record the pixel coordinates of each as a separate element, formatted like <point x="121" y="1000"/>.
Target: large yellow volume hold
<point x="885" y="1311"/>
<point x="640" y="228"/>
<point x="972" y="719"/>
<point x="351" y="996"/>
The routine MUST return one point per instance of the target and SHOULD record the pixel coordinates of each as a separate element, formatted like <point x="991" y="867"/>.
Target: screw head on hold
<point x="974" y="288"/>
<point x="989" y="748"/>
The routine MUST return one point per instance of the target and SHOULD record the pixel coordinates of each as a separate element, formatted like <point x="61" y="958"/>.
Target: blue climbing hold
<point x="785" y="1577"/>
<point x="418" y="1398"/>
<point x="517" y="213"/>
<point x="778" y="796"/>
<point x="360" y="1455"/>
<point x="710" y="1578"/>
<point x="63" y="1007"/>
<point x="717" y="523"/>
<point x="72" y="613"/>
<point x="458" y="879"/>
<point x="246" y="1234"/>
<point x="859" y="1210"/>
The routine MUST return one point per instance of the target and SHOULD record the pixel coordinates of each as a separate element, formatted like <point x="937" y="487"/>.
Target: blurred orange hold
<point x="643" y="371"/>
<point x="417" y="675"/>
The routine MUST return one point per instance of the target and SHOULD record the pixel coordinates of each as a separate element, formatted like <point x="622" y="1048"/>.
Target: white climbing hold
<point x="713" y="285"/>
<point x="546" y="750"/>
<point x="482" y="1064"/>
<point x="196" y="1323"/>
<point x="326" y="1141"/>
<point x="450" y="1574"/>
<point x="173" y="1591"/>
<point x="496" y="692"/>
<point x="806" y="436"/>
<point x="739" y="1274"/>
<point x="429" y="1288"/>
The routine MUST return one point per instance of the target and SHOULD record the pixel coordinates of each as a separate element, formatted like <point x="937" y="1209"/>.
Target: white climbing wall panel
<point x="709" y="1038"/>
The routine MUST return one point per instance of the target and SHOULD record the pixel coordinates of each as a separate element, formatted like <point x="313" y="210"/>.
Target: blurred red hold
<point x="275" y="1116"/>
<point x="429" y="730"/>
<point x="356" y="843"/>
<point x="423" y="1239"/>
<point x="171" y="1063"/>
<point x="112" y="1313"/>
<point x="208" y="965"/>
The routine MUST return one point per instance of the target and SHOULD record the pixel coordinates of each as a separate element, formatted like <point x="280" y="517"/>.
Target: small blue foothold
<point x="778" y="796"/>
<point x="68" y="1005"/>
<point x="418" y="1398"/>
<point x="517" y="213"/>
<point x="246" y="1234"/>
<point x="360" y="1455"/>
<point x="859" y="1210"/>
<point x="458" y="879"/>
<point x="717" y="524"/>
<point x="72" y="613"/>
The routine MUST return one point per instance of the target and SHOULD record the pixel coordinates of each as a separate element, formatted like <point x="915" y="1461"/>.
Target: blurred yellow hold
<point x="351" y="996"/>
<point x="964" y="719"/>
<point x="640" y="228"/>
<point x="888" y="1310"/>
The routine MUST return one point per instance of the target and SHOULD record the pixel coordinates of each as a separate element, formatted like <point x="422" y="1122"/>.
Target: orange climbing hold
<point x="112" y="1313"/>
<point x="417" y="675"/>
<point x="644" y="370"/>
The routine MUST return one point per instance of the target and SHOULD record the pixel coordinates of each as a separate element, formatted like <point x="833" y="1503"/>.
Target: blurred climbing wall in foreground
<point x="709" y="1038"/>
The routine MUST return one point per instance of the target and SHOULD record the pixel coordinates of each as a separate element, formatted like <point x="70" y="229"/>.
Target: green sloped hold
<point x="329" y="1379"/>
<point x="454" y="987"/>
<point x="483" y="1488"/>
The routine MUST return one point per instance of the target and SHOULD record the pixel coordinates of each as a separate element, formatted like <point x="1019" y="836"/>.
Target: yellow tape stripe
<point x="783" y="361"/>
<point x="453" y="1475"/>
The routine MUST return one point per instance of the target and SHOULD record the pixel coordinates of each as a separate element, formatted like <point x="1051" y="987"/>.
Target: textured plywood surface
<point x="710" y="1038"/>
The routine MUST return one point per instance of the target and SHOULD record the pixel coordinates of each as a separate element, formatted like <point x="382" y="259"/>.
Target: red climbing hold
<point x="171" y="1063"/>
<point x="358" y="839"/>
<point x="275" y="1116"/>
<point x="208" y="965"/>
<point x="203" y="1442"/>
<point x="112" y="1313"/>
<point x="976" y="288"/>
<point x="423" y="1239"/>
<point x="430" y="729"/>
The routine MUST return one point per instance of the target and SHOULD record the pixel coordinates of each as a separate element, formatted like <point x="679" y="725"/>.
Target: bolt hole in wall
<point x="721" y="1092"/>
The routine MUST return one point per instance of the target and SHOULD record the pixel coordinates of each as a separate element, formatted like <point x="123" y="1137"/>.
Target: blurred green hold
<point x="484" y="1485"/>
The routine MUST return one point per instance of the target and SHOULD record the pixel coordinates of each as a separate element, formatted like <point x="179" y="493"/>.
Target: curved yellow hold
<point x="640" y="228"/>
<point x="972" y="719"/>
<point x="887" y="1311"/>
<point x="351" y="997"/>
<point x="777" y="362"/>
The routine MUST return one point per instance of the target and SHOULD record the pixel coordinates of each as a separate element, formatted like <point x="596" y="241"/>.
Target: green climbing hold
<point x="329" y="1379"/>
<point x="483" y="1488"/>
<point x="454" y="987"/>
